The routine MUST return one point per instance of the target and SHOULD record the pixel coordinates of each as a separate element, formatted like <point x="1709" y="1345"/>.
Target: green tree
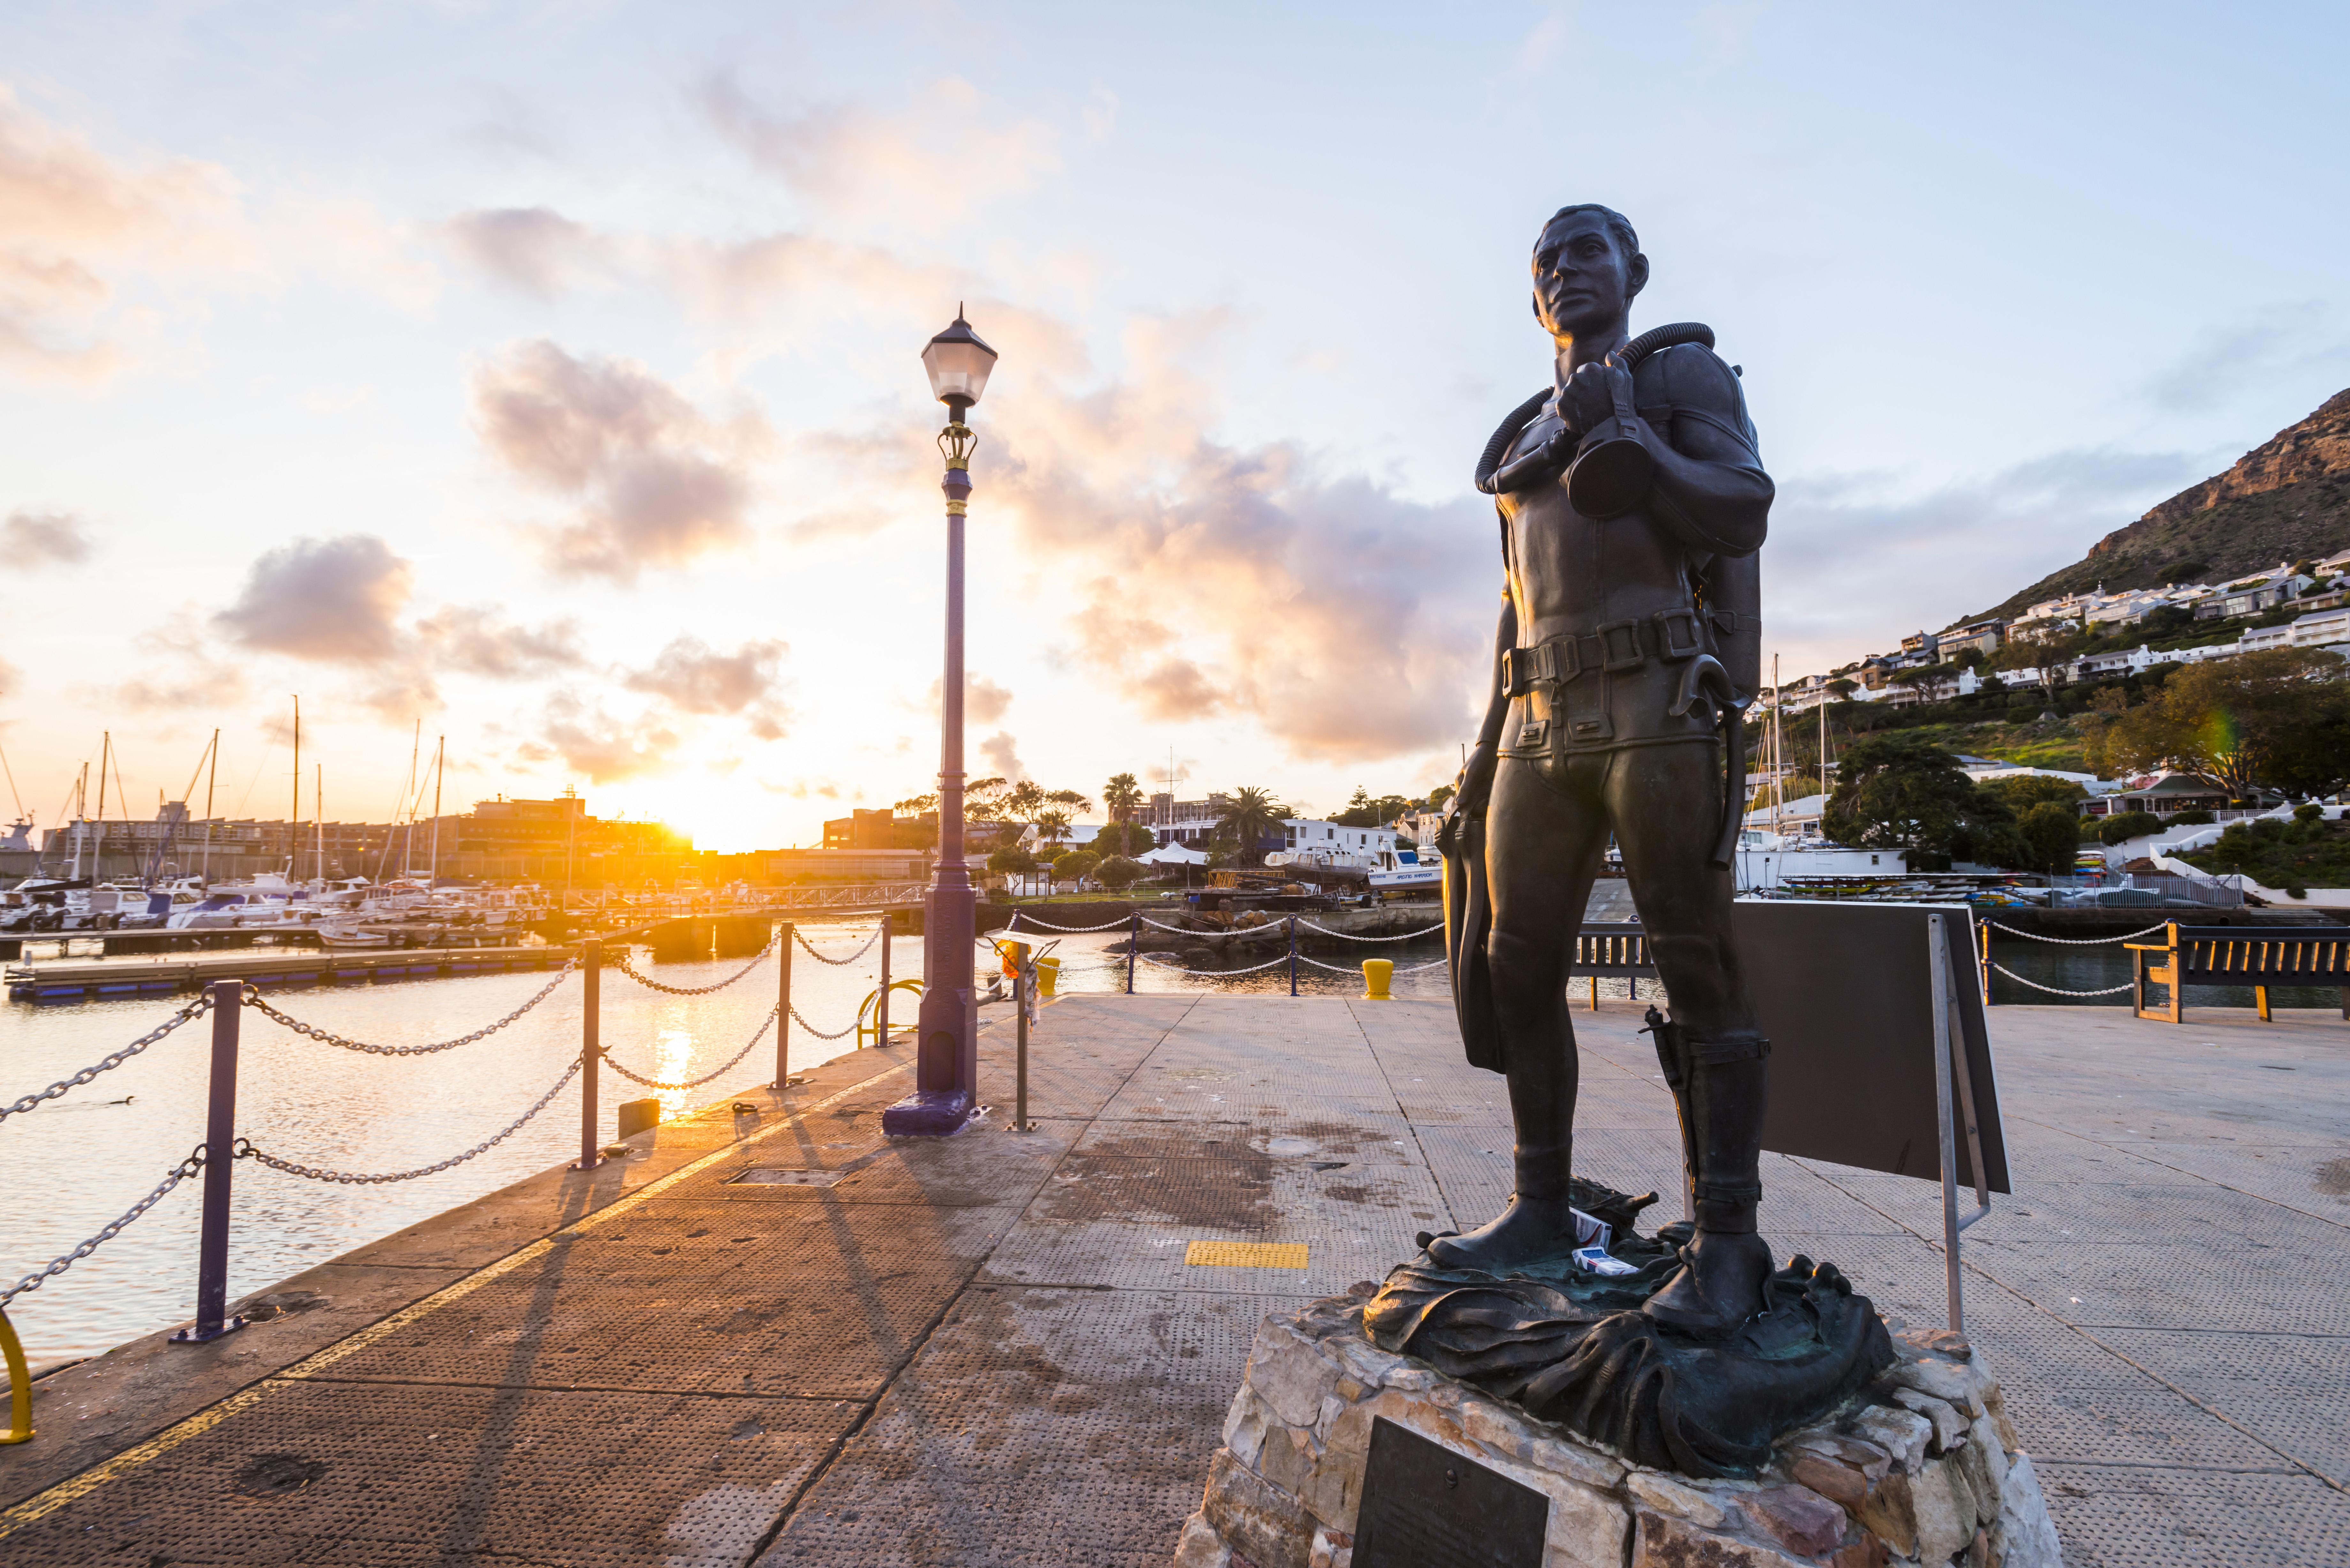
<point x="1250" y="816"/>
<point x="1121" y="797"/>
<point x="1117" y="872"/>
<point x="1439" y="796"/>
<point x="1367" y="810"/>
<point x="2025" y="791"/>
<point x="1895" y="790"/>
<point x="1012" y="861"/>
<point x="2052" y="834"/>
<point x="2125" y="826"/>
<point x="1124" y="838"/>
<point x="1074" y="865"/>
<point x="2278" y="717"/>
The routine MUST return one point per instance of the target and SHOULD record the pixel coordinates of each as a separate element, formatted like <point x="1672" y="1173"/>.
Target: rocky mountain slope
<point x="2285" y="500"/>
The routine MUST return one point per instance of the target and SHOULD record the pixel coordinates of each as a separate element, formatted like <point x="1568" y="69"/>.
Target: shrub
<point x="1074" y="865"/>
<point x="1118" y="872"/>
<point x="2127" y="824"/>
<point x="2197" y="817"/>
<point x="2052" y="834"/>
<point x="2308" y="811"/>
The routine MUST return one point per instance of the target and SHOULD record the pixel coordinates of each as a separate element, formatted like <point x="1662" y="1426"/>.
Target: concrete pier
<point x="773" y="1337"/>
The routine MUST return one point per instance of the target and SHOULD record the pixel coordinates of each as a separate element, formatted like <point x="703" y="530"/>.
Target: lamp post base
<point x="931" y="1113"/>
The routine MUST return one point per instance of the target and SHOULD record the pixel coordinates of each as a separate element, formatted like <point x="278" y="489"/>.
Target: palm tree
<point x="1249" y="816"/>
<point x="1120" y="796"/>
<point x="1052" y="827"/>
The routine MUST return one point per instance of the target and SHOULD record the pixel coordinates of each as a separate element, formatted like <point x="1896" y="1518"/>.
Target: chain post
<point x="1293" y="955"/>
<point x="220" y="1136"/>
<point x="881" y="1002"/>
<point x="1020" y="984"/>
<point x="783" y="934"/>
<point x="1132" y="943"/>
<point x="591" y="964"/>
<point x="1982" y="956"/>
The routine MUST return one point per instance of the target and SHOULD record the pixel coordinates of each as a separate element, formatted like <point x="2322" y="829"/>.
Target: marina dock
<point x="65" y="978"/>
<point x="772" y="1335"/>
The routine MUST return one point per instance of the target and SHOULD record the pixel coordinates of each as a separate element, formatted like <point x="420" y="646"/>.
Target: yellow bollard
<point x="20" y="1386"/>
<point x="1048" y="971"/>
<point x="1377" y="975"/>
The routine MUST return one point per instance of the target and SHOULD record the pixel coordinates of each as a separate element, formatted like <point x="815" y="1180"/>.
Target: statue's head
<point x="1587" y="269"/>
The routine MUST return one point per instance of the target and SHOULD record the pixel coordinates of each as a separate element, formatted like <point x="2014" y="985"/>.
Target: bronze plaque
<point x="1425" y="1506"/>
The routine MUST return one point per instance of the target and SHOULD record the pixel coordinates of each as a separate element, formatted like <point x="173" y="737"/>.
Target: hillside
<point x="2285" y="500"/>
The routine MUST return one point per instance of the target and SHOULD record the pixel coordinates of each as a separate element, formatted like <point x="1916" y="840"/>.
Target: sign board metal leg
<point x="1954" y="1104"/>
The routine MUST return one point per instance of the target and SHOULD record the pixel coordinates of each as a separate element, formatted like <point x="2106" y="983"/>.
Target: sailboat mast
<point x="210" y="779"/>
<point x="294" y="821"/>
<point x="440" y="766"/>
<point x="1778" y="757"/>
<point x="98" y="855"/>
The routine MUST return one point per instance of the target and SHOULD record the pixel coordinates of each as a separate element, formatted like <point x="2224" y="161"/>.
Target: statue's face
<point x="1584" y="282"/>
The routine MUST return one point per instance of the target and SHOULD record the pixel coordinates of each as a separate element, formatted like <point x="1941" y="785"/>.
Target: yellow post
<point x="1377" y="975"/>
<point x="20" y="1386"/>
<point x="1048" y="971"/>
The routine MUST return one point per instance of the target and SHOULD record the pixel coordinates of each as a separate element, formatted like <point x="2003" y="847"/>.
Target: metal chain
<point x="1350" y="936"/>
<point x="58" y="1265"/>
<point x="1017" y="915"/>
<point x="244" y="1149"/>
<point x="819" y="1034"/>
<point x="2052" y="991"/>
<point x="193" y="1011"/>
<point x="1153" y="958"/>
<point x="694" y="1082"/>
<point x="2070" y="942"/>
<point x="254" y="999"/>
<point x="800" y="937"/>
<point x="620" y="962"/>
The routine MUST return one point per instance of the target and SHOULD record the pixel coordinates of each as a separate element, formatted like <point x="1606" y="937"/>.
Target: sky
<point x="545" y="377"/>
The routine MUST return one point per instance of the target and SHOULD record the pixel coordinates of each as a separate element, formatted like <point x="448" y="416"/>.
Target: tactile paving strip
<point x="520" y="1476"/>
<point x="2289" y="1390"/>
<point x="2130" y="1518"/>
<point x="1041" y="1428"/>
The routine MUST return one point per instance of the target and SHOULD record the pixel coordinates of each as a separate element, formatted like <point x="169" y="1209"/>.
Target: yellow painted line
<point x="1245" y="1255"/>
<point x="74" y="1488"/>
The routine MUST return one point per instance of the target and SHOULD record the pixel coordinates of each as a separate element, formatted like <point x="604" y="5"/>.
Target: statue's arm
<point x="1710" y="489"/>
<point x="1477" y="774"/>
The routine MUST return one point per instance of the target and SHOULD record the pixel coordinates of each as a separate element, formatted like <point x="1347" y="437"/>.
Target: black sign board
<point x="1425" y="1506"/>
<point x="1845" y="994"/>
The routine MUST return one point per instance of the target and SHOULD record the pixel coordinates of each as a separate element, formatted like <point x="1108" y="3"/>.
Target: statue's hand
<point x="1589" y="395"/>
<point x="1475" y="785"/>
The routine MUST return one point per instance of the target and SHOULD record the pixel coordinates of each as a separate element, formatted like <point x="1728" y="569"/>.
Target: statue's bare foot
<point x="1529" y="1230"/>
<point x="1719" y="1287"/>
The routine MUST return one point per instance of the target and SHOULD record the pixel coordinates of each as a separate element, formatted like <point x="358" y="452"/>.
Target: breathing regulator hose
<point x="1607" y="439"/>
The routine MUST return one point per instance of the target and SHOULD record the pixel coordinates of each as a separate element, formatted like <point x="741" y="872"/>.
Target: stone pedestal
<point x="1919" y="1469"/>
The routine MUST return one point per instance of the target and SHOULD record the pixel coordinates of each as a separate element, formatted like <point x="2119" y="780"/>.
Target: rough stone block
<point x="1660" y="1540"/>
<point x="1257" y="1518"/>
<point x="2025" y="1537"/>
<point x="1867" y="1551"/>
<point x="1901" y="1433"/>
<point x="1870" y="1460"/>
<point x="1577" y="1462"/>
<point x="1200" y="1546"/>
<point x="1946" y="1512"/>
<point x="1890" y="1510"/>
<point x="1949" y="1426"/>
<point x="1246" y="1424"/>
<point x="1945" y="1381"/>
<point x="1332" y="1549"/>
<point x="1287" y="1460"/>
<point x="1838" y="1482"/>
<point x="1797" y="1517"/>
<point x="1678" y="1499"/>
<point x="1410" y="1378"/>
<point x="1990" y="1453"/>
<point x="1285" y="1369"/>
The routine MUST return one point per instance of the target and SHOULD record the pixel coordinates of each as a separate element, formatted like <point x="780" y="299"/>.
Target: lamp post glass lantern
<point x="946" y="1072"/>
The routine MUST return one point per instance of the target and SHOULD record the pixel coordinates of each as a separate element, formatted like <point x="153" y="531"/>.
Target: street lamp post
<point x="946" y="1072"/>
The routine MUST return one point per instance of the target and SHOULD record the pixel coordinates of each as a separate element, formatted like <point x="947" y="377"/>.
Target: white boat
<point x="1407" y="871"/>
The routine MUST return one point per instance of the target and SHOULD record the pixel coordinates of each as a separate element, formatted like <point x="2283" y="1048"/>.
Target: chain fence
<point x="1357" y="970"/>
<point x="1019" y="915"/>
<point x="620" y="962"/>
<point x="245" y="1150"/>
<point x="107" y="1064"/>
<point x="839" y="1033"/>
<point x="1350" y="935"/>
<point x="725" y="1067"/>
<point x="1173" y="966"/>
<point x="59" y="1264"/>
<point x="255" y="1000"/>
<point x="2054" y="990"/>
<point x="2069" y="941"/>
<point x="801" y="936"/>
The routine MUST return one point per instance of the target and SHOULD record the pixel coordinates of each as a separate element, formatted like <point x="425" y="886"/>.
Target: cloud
<point x="34" y="539"/>
<point x="8" y="674"/>
<point x="1848" y="554"/>
<point x="71" y="220"/>
<point x="337" y="600"/>
<point x="1002" y="757"/>
<point x="694" y="678"/>
<point x="657" y="482"/>
<point x="983" y="701"/>
<point x="2274" y="343"/>
<point x="472" y="640"/>
<point x="604" y="747"/>
<point x="534" y="249"/>
<point x="949" y="149"/>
